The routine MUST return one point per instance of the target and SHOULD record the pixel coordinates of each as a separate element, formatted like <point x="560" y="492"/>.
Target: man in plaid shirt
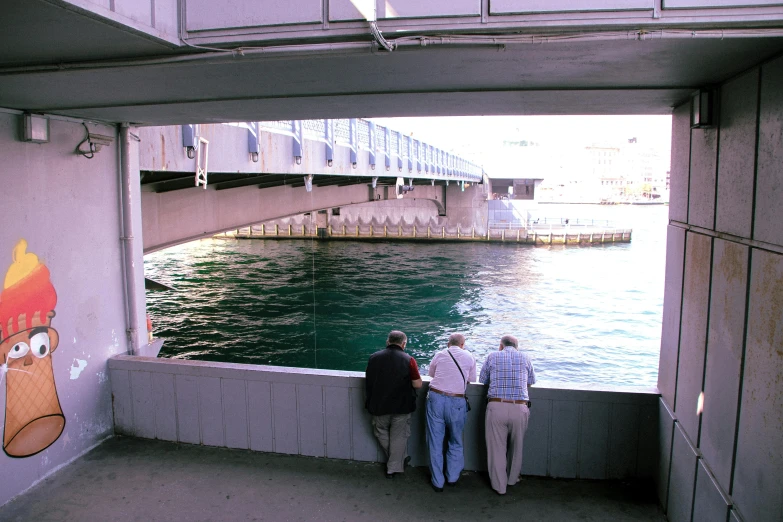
<point x="508" y="372"/>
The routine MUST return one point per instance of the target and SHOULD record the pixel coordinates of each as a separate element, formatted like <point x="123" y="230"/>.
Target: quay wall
<point x="590" y="433"/>
<point x="722" y="337"/>
<point x="66" y="208"/>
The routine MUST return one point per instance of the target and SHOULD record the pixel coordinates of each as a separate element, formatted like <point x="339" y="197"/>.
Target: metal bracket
<point x="201" y="162"/>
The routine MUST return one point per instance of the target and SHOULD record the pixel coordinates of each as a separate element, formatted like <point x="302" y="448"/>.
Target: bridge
<point x="246" y="173"/>
<point x="81" y="81"/>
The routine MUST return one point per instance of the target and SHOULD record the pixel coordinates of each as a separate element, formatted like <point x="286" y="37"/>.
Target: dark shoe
<point x="452" y="484"/>
<point x="390" y="475"/>
<point x="436" y="488"/>
<point x="406" y="462"/>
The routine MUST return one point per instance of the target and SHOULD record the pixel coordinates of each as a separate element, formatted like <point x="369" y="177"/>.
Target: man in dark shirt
<point x="391" y="380"/>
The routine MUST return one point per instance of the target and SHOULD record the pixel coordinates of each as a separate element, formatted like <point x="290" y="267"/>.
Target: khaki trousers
<point x="392" y="432"/>
<point x="505" y="427"/>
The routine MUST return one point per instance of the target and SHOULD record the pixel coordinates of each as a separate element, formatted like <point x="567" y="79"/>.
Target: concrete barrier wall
<point x="722" y="334"/>
<point x="320" y="413"/>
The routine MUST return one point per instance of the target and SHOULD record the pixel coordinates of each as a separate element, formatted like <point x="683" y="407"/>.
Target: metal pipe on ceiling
<point x="410" y="42"/>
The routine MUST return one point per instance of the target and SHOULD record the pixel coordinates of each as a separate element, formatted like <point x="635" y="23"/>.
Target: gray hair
<point x="456" y="339"/>
<point x="509" y="340"/>
<point x="396" y="337"/>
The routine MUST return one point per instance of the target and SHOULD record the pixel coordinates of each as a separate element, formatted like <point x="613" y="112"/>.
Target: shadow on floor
<point x="145" y="480"/>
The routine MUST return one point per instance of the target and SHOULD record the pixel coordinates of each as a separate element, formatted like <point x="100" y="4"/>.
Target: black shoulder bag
<point x="465" y="393"/>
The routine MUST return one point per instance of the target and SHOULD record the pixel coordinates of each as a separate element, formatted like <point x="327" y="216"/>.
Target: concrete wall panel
<point x="693" y="334"/>
<point x="143" y="404"/>
<point x="235" y="412"/>
<point x="473" y="436"/>
<point x="724" y="357"/>
<point x="564" y="451"/>
<point x="165" y="406"/>
<point x="683" y="475"/>
<point x="122" y="402"/>
<point x="167" y="16"/>
<point x="137" y="10"/>
<point x="205" y="14"/>
<point x="647" y="458"/>
<point x="594" y="440"/>
<point x="701" y="187"/>
<point x="188" y="424"/>
<point x="709" y="503"/>
<point x="672" y="306"/>
<point x="623" y="441"/>
<point x="736" y="171"/>
<point x="544" y="6"/>
<point x="337" y="413"/>
<point x="681" y="160"/>
<point x="285" y="418"/>
<point x="261" y="424"/>
<point x="758" y="475"/>
<point x="210" y="403"/>
<point x="311" y="420"/>
<point x="362" y="440"/>
<point x="769" y="184"/>
<point x="665" y="438"/>
<point x="535" y="453"/>
<point x="417" y="443"/>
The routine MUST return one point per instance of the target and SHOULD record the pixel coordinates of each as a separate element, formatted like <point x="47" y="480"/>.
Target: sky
<point x="477" y="136"/>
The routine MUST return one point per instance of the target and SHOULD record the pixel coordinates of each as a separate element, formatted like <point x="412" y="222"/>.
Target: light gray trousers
<point x="505" y="427"/>
<point x="392" y="432"/>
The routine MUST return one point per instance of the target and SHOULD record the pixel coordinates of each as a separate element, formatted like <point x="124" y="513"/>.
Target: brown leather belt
<point x="447" y="394"/>
<point x="497" y="399"/>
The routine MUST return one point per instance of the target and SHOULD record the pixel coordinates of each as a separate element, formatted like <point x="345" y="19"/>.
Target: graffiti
<point x="33" y="416"/>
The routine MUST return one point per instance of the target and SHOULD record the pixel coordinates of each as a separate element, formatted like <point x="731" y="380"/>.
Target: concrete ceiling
<point x="559" y="77"/>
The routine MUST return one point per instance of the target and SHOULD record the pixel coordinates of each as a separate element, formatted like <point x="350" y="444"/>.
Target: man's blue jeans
<point x="445" y="415"/>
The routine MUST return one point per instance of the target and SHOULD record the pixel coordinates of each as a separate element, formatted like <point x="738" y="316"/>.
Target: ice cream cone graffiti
<point x="33" y="416"/>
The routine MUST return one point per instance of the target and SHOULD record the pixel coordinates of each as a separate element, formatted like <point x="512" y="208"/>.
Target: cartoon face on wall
<point x="33" y="416"/>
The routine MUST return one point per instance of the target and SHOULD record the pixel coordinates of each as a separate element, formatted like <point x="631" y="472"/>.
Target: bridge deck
<point x="133" y="479"/>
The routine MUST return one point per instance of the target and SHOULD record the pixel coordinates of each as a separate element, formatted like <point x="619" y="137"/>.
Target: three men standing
<point x="508" y="372"/>
<point x="391" y="380"/>
<point x="451" y="370"/>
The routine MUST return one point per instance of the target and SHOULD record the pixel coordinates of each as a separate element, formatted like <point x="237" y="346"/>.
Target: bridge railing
<point x="389" y="149"/>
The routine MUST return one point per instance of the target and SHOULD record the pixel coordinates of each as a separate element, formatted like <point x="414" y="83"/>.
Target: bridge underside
<point x="71" y="61"/>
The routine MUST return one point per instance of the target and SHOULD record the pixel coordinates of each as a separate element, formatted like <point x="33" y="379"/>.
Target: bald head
<point x="457" y="339"/>
<point x="508" y="340"/>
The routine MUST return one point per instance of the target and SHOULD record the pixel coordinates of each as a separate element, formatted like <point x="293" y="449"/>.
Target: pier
<point x="539" y="236"/>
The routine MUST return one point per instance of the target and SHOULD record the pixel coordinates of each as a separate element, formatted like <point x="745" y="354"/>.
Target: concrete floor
<point x="144" y="480"/>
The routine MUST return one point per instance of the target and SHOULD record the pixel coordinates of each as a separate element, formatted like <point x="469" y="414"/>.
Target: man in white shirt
<point x="451" y="370"/>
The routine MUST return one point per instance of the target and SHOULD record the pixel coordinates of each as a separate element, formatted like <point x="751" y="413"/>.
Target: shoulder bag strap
<point x="460" y="370"/>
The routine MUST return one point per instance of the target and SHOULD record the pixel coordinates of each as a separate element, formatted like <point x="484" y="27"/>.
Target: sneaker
<point x="390" y="475"/>
<point x="406" y="462"/>
<point x="452" y="484"/>
<point x="436" y="488"/>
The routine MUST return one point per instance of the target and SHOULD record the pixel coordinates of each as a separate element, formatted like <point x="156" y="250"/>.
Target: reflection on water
<point x="588" y="315"/>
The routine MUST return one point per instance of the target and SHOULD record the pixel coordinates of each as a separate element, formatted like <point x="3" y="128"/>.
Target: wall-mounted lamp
<point x="191" y="152"/>
<point x="298" y="160"/>
<point x="254" y="157"/>
<point x="329" y="163"/>
<point x="354" y="164"/>
<point x="35" y="128"/>
<point x="702" y="109"/>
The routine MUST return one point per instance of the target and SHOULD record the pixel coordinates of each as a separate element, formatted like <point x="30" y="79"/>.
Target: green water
<point x="587" y="314"/>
